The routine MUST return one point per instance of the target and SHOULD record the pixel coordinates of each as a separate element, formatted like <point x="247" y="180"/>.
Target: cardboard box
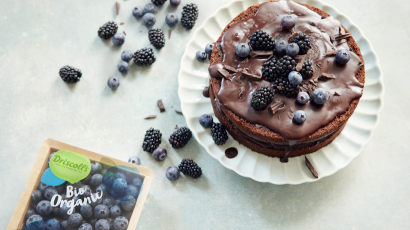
<point x="40" y="165"/>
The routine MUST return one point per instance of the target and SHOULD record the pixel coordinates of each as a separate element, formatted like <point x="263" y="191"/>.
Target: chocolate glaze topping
<point x="268" y="19"/>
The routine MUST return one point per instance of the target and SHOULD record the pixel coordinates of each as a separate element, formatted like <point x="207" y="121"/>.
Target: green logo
<point x="70" y="166"/>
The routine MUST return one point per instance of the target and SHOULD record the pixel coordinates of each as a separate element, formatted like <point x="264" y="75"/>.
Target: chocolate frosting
<point x="268" y="18"/>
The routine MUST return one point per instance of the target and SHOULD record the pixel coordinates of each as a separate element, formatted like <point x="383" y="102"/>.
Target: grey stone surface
<point x="39" y="36"/>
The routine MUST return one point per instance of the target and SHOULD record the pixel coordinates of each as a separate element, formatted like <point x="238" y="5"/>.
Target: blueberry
<point x="44" y="208"/>
<point x="123" y="67"/>
<point x="86" y="226"/>
<point x="108" y="201"/>
<point x="172" y="173"/>
<point x="149" y="20"/>
<point x="320" y="96"/>
<point x="120" y="223"/>
<point x="52" y="224"/>
<point x="95" y="168"/>
<point x="208" y="48"/>
<point x="60" y="188"/>
<point x="102" y="225"/>
<point x="92" y="222"/>
<point x="110" y="222"/>
<point x="42" y="187"/>
<point x="101" y="211"/>
<point x="150" y="8"/>
<point x="96" y="202"/>
<point x="303" y="98"/>
<point x="242" y="50"/>
<point x="113" y="83"/>
<point x="109" y="177"/>
<point x="138" y="11"/>
<point x="288" y="22"/>
<point x="115" y="211"/>
<point x="34" y="222"/>
<point x="292" y="49"/>
<point x="171" y="19"/>
<point x="63" y="211"/>
<point x="175" y="2"/>
<point x="30" y="212"/>
<point x="96" y="179"/>
<point x="201" y="56"/>
<point x="120" y="186"/>
<point x="159" y="154"/>
<point x="206" y="121"/>
<point x="135" y="160"/>
<point x="55" y="211"/>
<point x="137" y="181"/>
<point x="100" y="188"/>
<point x="118" y="39"/>
<point x="342" y="56"/>
<point x="122" y="175"/>
<point x="50" y="192"/>
<point x="280" y="47"/>
<point x="87" y="191"/>
<point x="128" y="203"/>
<point x="86" y="211"/>
<point x="127" y="55"/>
<point x="133" y="190"/>
<point x="295" y="78"/>
<point x="300" y="116"/>
<point x="36" y="196"/>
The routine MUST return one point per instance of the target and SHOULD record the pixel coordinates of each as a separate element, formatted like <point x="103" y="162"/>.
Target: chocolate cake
<point x="273" y="131"/>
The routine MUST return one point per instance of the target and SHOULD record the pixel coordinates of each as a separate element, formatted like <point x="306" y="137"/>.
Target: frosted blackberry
<point x="152" y="140"/>
<point x="108" y="30"/>
<point x="157" y="38"/>
<point x="189" y="15"/>
<point x="70" y="74"/>
<point x="282" y="86"/>
<point x="260" y="40"/>
<point x="307" y="69"/>
<point x="158" y="2"/>
<point x="303" y="42"/>
<point x="275" y="68"/>
<point x="219" y="134"/>
<point x="180" y="138"/>
<point x="262" y="98"/>
<point x="189" y="168"/>
<point x="144" y="57"/>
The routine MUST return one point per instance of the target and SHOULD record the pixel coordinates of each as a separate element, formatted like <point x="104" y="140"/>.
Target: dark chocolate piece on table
<point x="161" y="106"/>
<point x="311" y="168"/>
<point x="117" y="8"/>
<point x="151" y="116"/>
<point x="179" y="112"/>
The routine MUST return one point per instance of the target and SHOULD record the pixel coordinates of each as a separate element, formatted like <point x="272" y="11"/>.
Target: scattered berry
<point x="138" y="12"/>
<point x="70" y="74"/>
<point x="242" y="50"/>
<point x="150" y="8"/>
<point x="288" y="22"/>
<point x="175" y="2"/>
<point x="261" y="98"/>
<point x="158" y="2"/>
<point x="189" y="15"/>
<point x="149" y="19"/>
<point x="307" y="69"/>
<point x="159" y="154"/>
<point x="180" y="138"/>
<point x="102" y="224"/>
<point x="219" y="134"/>
<point x="260" y="40"/>
<point x="44" y="208"/>
<point x="115" y="211"/>
<point x="96" y="179"/>
<point x="201" y="56"/>
<point x="127" y="55"/>
<point x="208" y="48"/>
<point x="118" y="39"/>
<point x="123" y="67"/>
<point x="342" y="56"/>
<point x="280" y="47"/>
<point x="172" y="173"/>
<point x="189" y="168"/>
<point x="120" y="223"/>
<point x="303" y="42"/>
<point x="135" y="160"/>
<point x="171" y="19"/>
<point x="157" y="38"/>
<point x="320" y="96"/>
<point x="101" y="211"/>
<point x="107" y="30"/>
<point x="295" y="78"/>
<point x="152" y="140"/>
<point x="75" y="220"/>
<point x="292" y="49"/>
<point x="144" y="57"/>
<point x="113" y="83"/>
<point x="206" y="121"/>
<point x="303" y="98"/>
<point x="128" y="203"/>
<point x="300" y="116"/>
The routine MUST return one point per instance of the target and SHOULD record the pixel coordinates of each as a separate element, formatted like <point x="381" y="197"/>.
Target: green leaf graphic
<point x="70" y="166"/>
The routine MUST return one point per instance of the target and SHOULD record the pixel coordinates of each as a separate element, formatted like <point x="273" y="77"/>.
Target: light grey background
<point x="39" y="36"/>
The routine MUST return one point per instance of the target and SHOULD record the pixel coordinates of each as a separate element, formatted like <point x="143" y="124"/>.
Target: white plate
<point x="193" y="77"/>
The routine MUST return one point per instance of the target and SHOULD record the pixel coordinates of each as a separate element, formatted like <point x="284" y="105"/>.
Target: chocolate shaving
<point x="225" y="74"/>
<point x="300" y="63"/>
<point x="251" y="76"/>
<point x="169" y="34"/>
<point x="332" y="38"/>
<point x="179" y="112"/>
<point x="245" y="61"/>
<point x="310" y="90"/>
<point x="310" y="167"/>
<point x="230" y="68"/>
<point x="312" y="82"/>
<point x="342" y="30"/>
<point x="331" y="53"/>
<point x="117" y="8"/>
<point x="151" y="116"/>
<point x="290" y="113"/>
<point x="241" y="91"/>
<point x="273" y="108"/>
<point x="326" y="76"/>
<point x="316" y="80"/>
<point x="176" y="127"/>
<point x="318" y="65"/>
<point x="122" y="23"/>
<point x="261" y="53"/>
<point x="271" y="56"/>
<point x="340" y="37"/>
<point x="312" y="23"/>
<point x="161" y="106"/>
<point x="361" y="64"/>
<point x="124" y="33"/>
<point x="337" y="94"/>
<point x="340" y="42"/>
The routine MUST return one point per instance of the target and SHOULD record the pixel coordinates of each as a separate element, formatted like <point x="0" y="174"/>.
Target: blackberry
<point x="189" y="168"/>
<point x="70" y="74"/>
<point x="107" y="30"/>
<point x="260" y="40"/>
<point x="219" y="134"/>
<point x="180" y="138"/>
<point x="275" y="68"/>
<point x="303" y="42"/>
<point x="262" y="98"/>
<point x="307" y="69"/>
<point x="158" y="2"/>
<point x="157" y="38"/>
<point x="144" y="57"/>
<point x="189" y="15"/>
<point x="152" y="140"/>
<point x="283" y="86"/>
